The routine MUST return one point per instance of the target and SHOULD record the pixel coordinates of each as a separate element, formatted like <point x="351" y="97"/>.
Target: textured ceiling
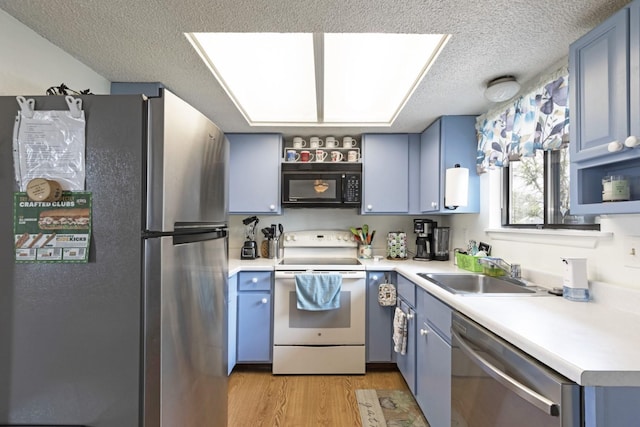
<point x="142" y="40"/>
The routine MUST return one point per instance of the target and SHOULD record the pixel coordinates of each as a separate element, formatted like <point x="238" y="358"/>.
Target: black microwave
<point x="321" y="185"/>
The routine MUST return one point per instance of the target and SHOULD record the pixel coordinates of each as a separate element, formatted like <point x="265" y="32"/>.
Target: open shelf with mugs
<point x="316" y="149"/>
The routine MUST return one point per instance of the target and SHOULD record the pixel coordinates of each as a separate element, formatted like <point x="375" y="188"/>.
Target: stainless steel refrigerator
<point x="136" y="336"/>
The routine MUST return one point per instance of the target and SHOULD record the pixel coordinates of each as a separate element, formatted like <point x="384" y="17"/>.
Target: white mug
<point x="315" y="142"/>
<point x="352" y="156"/>
<point x="321" y="155"/>
<point x="348" y="142"/>
<point x="331" y="142"/>
<point x="336" y="156"/>
<point x="298" y="142"/>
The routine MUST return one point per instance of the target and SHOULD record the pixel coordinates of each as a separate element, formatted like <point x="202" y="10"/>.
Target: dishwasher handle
<point x="531" y="396"/>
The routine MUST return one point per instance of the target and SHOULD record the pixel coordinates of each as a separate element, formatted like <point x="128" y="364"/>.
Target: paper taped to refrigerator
<point x="50" y="144"/>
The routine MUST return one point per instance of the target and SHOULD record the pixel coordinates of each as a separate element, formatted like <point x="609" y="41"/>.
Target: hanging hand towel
<point x="400" y="331"/>
<point x="317" y="292"/>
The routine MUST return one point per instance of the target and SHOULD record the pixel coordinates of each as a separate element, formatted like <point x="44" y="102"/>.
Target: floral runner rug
<point x="389" y="408"/>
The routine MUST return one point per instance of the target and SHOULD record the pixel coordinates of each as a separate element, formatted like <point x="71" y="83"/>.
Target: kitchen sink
<point x="479" y="284"/>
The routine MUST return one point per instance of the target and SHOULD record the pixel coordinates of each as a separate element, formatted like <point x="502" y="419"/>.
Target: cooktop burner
<point x="320" y="261"/>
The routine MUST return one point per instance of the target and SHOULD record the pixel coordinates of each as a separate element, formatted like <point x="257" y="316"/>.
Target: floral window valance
<point x="538" y="120"/>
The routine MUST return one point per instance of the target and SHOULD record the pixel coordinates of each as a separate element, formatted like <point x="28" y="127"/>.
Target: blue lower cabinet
<point x="232" y="319"/>
<point x="254" y="327"/>
<point x="407" y="362"/>
<point x="379" y="320"/>
<point x="433" y="365"/>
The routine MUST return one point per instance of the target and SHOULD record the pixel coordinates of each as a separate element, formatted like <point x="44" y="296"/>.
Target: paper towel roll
<point x="456" y="187"/>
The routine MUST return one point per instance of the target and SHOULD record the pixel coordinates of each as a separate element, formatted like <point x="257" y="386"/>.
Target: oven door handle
<point x="346" y="275"/>
<point x="531" y="396"/>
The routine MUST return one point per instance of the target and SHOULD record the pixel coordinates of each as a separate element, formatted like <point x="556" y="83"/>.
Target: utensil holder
<point x="365" y="252"/>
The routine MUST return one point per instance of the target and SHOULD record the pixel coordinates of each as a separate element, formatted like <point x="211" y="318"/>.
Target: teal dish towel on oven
<point x="318" y="292"/>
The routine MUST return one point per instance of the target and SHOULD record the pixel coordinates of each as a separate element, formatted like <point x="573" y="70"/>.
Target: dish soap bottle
<point x="575" y="286"/>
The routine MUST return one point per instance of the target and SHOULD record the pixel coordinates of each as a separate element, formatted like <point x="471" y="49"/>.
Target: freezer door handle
<point x="203" y="236"/>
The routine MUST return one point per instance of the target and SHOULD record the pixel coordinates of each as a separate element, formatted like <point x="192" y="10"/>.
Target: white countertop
<point x="591" y="343"/>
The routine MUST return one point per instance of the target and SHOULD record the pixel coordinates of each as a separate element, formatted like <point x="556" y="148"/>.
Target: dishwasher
<point x="495" y="384"/>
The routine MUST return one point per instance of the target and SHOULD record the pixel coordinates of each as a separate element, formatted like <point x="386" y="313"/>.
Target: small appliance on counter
<point x="441" y="243"/>
<point x="424" y="240"/>
<point x="250" y="248"/>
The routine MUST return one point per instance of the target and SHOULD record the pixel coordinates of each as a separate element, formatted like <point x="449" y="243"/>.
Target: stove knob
<point x="339" y="237"/>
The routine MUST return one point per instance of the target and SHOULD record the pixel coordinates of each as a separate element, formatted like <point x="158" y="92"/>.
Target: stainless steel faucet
<point x="513" y="270"/>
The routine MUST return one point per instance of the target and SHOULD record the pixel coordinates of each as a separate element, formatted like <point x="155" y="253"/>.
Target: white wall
<point x="29" y="64"/>
<point x="541" y="251"/>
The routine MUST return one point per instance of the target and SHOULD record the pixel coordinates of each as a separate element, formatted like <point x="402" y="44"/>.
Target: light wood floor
<point x="258" y="398"/>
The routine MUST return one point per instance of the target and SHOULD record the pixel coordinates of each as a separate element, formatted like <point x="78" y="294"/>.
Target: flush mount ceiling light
<point x="501" y="89"/>
<point x="293" y="79"/>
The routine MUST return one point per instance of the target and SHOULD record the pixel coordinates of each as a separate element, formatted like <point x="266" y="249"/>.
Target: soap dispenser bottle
<point x="575" y="286"/>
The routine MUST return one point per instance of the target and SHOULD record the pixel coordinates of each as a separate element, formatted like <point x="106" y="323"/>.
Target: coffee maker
<point x="250" y="248"/>
<point x="424" y="239"/>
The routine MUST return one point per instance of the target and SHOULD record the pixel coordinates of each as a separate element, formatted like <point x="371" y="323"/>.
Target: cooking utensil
<point x="355" y="232"/>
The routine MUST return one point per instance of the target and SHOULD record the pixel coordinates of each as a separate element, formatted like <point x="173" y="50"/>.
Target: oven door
<point x="494" y="384"/>
<point x="342" y="326"/>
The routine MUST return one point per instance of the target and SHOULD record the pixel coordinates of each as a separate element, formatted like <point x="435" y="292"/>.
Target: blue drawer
<point x="254" y="281"/>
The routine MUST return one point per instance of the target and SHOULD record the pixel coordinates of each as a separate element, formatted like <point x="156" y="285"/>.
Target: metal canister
<point x="273" y="248"/>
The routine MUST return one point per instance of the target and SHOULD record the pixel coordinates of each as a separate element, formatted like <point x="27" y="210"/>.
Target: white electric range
<point x="319" y="342"/>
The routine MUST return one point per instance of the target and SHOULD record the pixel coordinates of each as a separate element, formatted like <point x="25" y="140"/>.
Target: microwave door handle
<point x="531" y="396"/>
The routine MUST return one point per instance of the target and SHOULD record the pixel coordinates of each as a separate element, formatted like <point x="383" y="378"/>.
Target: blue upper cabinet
<point x="604" y="67"/>
<point x="385" y="171"/>
<point x="450" y="140"/>
<point x="599" y="90"/>
<point x="254" y="175"/>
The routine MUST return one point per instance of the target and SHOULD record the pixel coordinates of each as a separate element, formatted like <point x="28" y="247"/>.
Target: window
<point x="536" y="193"/>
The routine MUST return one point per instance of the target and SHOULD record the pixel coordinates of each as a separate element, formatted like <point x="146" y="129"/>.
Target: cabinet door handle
<point x="264" y="300"/>
<point x="423" y="332"/>
<point x="254" y="280"/>
<point x="434" y="205"/>
<point x="631" y="142"/>
<point x="614" y="146"/>
<point x="369" y="207"/>
<point x="374" y="277"/>
<point x="409" y="316"/>
<point x="272" y="207"/>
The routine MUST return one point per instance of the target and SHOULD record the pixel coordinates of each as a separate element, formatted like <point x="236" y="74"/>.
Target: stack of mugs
<point x="320" y="150"/>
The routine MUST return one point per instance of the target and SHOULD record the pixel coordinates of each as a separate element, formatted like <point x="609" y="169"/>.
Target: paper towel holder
<point x="456" y="187"/>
